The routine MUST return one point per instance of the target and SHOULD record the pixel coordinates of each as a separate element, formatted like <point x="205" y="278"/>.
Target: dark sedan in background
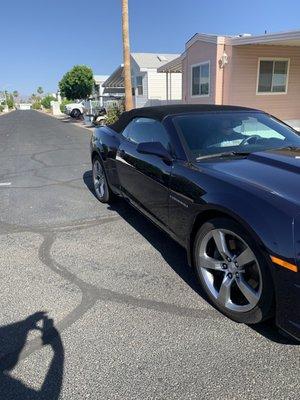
<point x="222" y="181"/>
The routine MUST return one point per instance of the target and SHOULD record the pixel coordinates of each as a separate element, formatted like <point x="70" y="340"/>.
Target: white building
<point x="99" y="80"/>
<point x="150" y="87"/>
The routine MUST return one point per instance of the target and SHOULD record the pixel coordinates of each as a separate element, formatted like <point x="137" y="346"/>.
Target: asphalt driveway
<point x="96" y="303"/>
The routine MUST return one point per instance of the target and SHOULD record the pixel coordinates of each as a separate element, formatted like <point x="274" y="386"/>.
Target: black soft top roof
<point x="160" y="112"/>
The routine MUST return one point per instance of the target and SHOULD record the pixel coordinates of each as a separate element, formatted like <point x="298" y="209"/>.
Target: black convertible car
<point x="224" y="182"/>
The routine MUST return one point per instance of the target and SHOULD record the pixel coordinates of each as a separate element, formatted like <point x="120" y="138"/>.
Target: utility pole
<point x="126" y="56"/>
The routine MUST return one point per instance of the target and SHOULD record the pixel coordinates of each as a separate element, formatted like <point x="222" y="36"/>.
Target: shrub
<point x="63" y="103"/>
<point x="1" y="108"/>
<point x="113" y="113"/>
<point x="37" y="105"/>
<point x="10" y="101"/>
<point x="46" y="101"/>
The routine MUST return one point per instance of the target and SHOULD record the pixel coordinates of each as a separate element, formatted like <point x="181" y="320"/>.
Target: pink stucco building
<point x="254" y="71"/>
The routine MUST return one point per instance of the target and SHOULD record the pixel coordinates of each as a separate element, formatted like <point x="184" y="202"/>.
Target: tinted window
<point x="125" y="132"/>
<point x="215" y="133"/>
<point x="142" y="130"/>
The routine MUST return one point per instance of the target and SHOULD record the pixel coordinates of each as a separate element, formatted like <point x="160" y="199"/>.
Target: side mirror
<point x="154" y="148"/>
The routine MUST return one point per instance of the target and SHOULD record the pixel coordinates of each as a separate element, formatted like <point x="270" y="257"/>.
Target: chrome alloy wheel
<point x="99" y="179"/>
<point x="230" y="270"/>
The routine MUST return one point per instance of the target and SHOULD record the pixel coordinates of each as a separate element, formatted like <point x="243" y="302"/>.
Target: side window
<point x="126" y="131"/>
<point x="148" y="130"/>
<point x="201" y="79"/>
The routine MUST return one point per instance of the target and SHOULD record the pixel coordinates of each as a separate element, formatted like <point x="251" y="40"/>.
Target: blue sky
<point x="42" y="39"/>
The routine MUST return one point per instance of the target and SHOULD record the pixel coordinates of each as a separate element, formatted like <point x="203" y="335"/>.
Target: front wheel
<point x="233" y="272"/>
<point x="76" y="113"/>
<point x="102" y="190"/>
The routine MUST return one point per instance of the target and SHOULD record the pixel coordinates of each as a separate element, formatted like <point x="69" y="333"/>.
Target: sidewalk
<point x="7" y="112"/>
<point x="69" y="120"/>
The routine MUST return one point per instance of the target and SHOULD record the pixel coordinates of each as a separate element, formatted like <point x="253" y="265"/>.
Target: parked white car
<point x="75" y="110"/>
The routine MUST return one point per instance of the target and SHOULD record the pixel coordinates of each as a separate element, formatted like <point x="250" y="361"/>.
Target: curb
<point x="6" y="113"/>
<point x="58" y="118"/>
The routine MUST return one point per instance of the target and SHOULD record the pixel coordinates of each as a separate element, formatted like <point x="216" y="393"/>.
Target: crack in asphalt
<point x="34" y="170"/>
<point x="90" y="294"/>
<point x="55" y="182"/>
<point x="43" y="163"/>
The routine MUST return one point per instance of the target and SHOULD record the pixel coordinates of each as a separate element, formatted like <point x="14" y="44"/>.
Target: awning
<point x="172" y="66"/>
<point x="116" y="79"/>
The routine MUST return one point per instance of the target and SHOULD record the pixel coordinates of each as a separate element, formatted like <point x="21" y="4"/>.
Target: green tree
<point x="77" y="83"/>
<point x="15" y="94"/>
<point x="40" y="90"/>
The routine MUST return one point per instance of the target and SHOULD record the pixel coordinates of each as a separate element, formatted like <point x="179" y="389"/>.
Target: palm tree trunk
<point x="126" y="55"/>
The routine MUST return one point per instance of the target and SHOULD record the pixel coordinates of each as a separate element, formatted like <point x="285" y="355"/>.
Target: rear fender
<point x="106" y="143"/>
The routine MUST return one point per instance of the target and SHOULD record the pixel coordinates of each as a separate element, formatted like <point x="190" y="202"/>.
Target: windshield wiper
<point x="292" y="148"/>
<point x="225" y="154"/>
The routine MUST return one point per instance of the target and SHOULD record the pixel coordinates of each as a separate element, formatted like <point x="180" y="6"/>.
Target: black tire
<point x="265" y="292"/>
<point x="75" y="113"/>
<point x="103" y="193"/>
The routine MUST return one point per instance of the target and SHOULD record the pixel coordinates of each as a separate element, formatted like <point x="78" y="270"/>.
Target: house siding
<point x="141" y="100"/>
<point x="157" y="86"/>
<point x="197" y="53"/>
<point x="240" y="80"/>
<point x="174" y="86"/>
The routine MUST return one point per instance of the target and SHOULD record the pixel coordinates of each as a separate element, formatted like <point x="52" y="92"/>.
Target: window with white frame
<point x="200" y="79"/>
<point x="272" y="76"/>
<point x="139" y="85"/>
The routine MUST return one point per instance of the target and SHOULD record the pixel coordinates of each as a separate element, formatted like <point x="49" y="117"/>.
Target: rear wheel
<point x="102" y="190"/>
<point x="233" y="272"/>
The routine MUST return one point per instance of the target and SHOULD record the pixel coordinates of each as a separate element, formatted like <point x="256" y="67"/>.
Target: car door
<point x="144" y="178"/>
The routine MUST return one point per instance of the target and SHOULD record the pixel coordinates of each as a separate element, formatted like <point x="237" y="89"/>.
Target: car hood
<point x="275" y="171"/>
<point x="72" y="105"/>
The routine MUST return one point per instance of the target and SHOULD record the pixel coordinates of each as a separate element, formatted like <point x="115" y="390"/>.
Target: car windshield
<point x="233" y="132"/>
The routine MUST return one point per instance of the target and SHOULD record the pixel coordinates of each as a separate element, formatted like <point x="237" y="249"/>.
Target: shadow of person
<point x="176" y="256"/>
<point x="13" y="338"/>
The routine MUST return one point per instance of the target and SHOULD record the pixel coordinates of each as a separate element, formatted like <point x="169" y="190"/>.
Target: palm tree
<point x="15" y="94"/>
<point x="126" y="56"/>
<point x="33" y="97"/>
<point x="40" y="90"/>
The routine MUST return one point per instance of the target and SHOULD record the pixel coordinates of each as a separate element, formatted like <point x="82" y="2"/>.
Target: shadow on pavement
<point x="13" y="338"/>
<point x="176" y="257"/>
<point x="68" y="119"/>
